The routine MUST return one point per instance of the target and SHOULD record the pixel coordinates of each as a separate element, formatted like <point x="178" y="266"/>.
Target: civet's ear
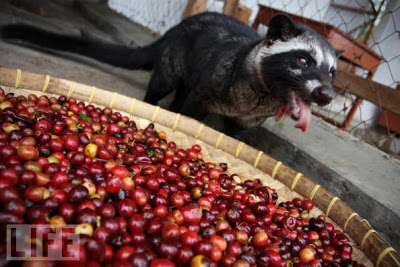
<point x="281" y="27"/>
<point x="338" y="52"/>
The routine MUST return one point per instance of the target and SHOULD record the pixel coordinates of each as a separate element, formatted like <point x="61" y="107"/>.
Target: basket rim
<point x="371" y="243"/>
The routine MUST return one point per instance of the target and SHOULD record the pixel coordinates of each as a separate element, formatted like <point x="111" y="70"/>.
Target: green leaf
<point x="150" y="153"/>
<point x="84" y="117"/>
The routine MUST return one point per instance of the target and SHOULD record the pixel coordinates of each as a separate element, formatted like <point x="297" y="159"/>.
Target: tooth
<point x="297" y="110"/>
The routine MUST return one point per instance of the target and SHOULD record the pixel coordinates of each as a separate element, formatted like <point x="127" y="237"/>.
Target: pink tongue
<point x="305" y="114"/>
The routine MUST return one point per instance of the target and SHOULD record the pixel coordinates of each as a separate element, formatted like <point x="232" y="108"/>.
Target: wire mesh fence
<point x="368" y="31"/>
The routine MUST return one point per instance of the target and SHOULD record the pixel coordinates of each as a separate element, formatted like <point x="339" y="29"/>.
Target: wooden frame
<point x="194" y="7"/>
<point x="390" y="119"/>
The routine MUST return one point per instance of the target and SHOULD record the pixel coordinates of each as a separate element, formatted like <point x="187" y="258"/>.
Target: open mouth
<point x="297" y="109"/>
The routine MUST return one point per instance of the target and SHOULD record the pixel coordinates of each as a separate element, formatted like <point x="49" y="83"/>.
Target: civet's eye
<point x="302" y="61"/>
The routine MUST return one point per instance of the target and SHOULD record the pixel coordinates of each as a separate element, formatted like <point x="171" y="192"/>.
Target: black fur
<point x="120" y="56"/>
<point x="209" y="59"/>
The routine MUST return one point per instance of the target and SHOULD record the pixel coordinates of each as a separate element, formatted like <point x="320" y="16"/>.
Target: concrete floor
<point x="361" y="175"/>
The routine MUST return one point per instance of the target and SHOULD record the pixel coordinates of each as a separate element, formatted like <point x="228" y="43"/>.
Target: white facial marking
<point x="281" y="47"/>
<point x="297" y="43"/>
<point x="312" y="84"/>
<point x="296" y="72"/>
<point x="318" y="55"/>
<point x="257" y="54"/>
<point x="331" y="60"/>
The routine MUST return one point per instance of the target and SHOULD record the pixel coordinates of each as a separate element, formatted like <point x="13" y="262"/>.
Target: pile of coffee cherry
<point x="135" y="199"/>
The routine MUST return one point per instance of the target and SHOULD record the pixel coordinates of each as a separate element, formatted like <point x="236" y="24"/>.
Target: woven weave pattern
<point x="359" y="229"/>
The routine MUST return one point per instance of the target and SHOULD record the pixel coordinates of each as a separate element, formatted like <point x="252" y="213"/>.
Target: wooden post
<point x="231" y="7"/>
<point x="243" y="14"/>
<point x="352" y="112"/>
<point x="194" y="7"/>
<point x="356" y="104"/>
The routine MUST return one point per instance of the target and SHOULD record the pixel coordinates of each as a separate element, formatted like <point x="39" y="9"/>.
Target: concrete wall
<point x="159" y="15"/>
<point x="156" y="15"/>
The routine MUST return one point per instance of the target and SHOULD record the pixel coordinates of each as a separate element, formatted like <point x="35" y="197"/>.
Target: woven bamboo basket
<point x="369" y="247"/>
